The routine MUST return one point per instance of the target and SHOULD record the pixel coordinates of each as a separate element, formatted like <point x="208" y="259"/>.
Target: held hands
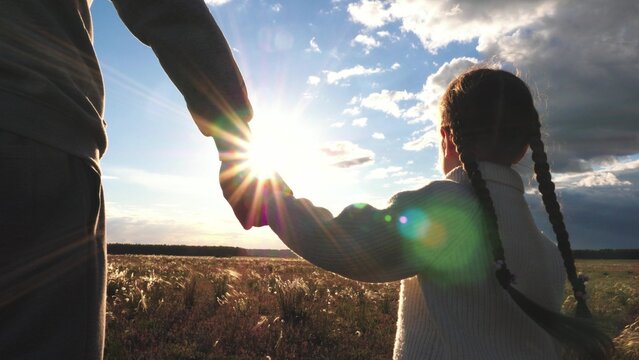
<point x="232" y="177"/>
<point x="247" y="194"/>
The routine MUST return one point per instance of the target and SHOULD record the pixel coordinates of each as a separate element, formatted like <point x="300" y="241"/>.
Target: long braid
<point x="578" y="334"/>
<point x="547" y="190"/>
<point x="470" y="165"/>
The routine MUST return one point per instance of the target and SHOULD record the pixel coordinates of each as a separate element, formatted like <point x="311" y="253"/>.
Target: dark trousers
<point x="52" y="253"/>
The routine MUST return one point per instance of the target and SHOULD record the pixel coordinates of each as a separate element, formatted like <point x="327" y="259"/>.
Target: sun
<point x="262" y="156"/>
<point x="279" y="144"/>
<point x="285" y="148"/>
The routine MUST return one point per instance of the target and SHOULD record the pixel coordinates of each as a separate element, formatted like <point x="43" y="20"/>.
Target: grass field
<point x="161" y="307"/>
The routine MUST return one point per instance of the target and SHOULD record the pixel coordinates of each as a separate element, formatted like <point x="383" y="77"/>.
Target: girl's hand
<point x="266" y="190"/>
<point x="248" y="195"/>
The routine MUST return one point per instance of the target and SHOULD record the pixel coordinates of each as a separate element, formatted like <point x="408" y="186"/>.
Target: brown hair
<point x="491" y="115"/>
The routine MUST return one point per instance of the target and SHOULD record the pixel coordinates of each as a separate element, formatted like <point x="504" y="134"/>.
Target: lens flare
<point x="414" y="225"/>
<point x="447" y="239"/>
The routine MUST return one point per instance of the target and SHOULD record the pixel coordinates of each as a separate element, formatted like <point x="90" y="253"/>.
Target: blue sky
<point x="345" y="98"/>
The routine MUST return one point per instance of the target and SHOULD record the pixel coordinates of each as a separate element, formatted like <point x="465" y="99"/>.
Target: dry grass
<point x="613" y="297"/>
<point x="161" y="307"/>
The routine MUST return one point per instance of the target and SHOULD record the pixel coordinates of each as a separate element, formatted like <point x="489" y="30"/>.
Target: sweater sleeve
<point x="420" y="231"/>
<point x="194" y="53"/>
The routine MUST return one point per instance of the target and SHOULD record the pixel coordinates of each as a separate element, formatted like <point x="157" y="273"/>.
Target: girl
<point x="449" y="241"/>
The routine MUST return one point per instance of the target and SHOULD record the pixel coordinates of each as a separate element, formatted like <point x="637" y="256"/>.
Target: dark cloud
<point x="345" y="154"/>
<point x="600" y="207"/>
<point x="580" y="57"/>
<point x="596" y="218"/>
<point x="582" y="61"/>
<point x="354" y="162"/>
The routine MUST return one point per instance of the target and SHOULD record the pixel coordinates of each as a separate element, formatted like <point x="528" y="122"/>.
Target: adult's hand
<point x="232" y="137"/>
<point x="238" y="185"/>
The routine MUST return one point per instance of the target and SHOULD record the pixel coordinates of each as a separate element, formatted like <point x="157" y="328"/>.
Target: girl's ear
<point x="448" y="146"/>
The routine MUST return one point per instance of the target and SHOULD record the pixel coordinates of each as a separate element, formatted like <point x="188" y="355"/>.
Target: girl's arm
<point x="421" y="230"/>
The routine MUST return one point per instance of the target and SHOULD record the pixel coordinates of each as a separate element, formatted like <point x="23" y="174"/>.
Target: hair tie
<point x="504" y="276"/>
<point x="581" y="295"/>
<point x="583" y="277"/>
<point x="579" y="287"/>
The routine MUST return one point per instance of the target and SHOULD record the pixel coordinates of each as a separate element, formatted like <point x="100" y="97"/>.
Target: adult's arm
<point x="433" y="230"/>
<point x="194" y="53"/>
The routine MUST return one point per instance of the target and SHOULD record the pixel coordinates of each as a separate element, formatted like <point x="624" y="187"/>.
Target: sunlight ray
<point x="140" y="91"/>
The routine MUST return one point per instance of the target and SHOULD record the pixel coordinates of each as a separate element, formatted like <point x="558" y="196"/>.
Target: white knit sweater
<point x="451" y="305"/>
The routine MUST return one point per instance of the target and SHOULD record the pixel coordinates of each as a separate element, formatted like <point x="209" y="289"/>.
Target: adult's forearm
<point x="194" y="53"/>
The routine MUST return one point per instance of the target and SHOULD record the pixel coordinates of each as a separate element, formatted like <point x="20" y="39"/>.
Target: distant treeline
<point x="187" y="250"/>
<point x="607" y="254"/>
<point x="228" y="251"/>
<point x="177" y="250"/>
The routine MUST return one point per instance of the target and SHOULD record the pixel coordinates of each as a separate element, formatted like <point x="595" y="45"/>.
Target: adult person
<point x="454" y="242"/>
<point x="52" y="136"/>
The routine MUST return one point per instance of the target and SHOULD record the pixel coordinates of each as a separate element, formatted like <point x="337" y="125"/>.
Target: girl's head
<point x="494" y="113"/>
<point x="488" y="115"/>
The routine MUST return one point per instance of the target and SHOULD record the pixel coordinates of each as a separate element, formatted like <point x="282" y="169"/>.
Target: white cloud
<point x="277" y="7"/>
<point x="580" y="55"/>
<point x="427" y="138"/>
<point x="438" y="23"/>
<point x="378" y="136"/>
<point x="166" y="231"/>
<point x="217" y="2"/>
<point x="370" y="13"/>
<point x="427" y="109"/>
<point x="606" y="175"/>
<point x="167" y="183"/>
<point x="414" y="181"/>
<point x="387" y="101"/>
<point x="601" y="179"/>
<point x="313" y="80"/>
<point x="360" y="122"/>
<point x="367" y="41"/>
<point x="345" y="154"/>
<point x="337" y="124"/>
<point x="353" y="111"/>
<point x="181" y="209"/>
<point x="621" y="166"/>
<point x="174" y="224"/>
<point x="333" y="77"/>
<point x="383" y="34"/>
<point x="382" y="173"/>
<point x="312" y="46"/>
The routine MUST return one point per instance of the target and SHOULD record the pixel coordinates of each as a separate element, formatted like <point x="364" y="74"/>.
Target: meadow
<point x="167" y="307"/>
